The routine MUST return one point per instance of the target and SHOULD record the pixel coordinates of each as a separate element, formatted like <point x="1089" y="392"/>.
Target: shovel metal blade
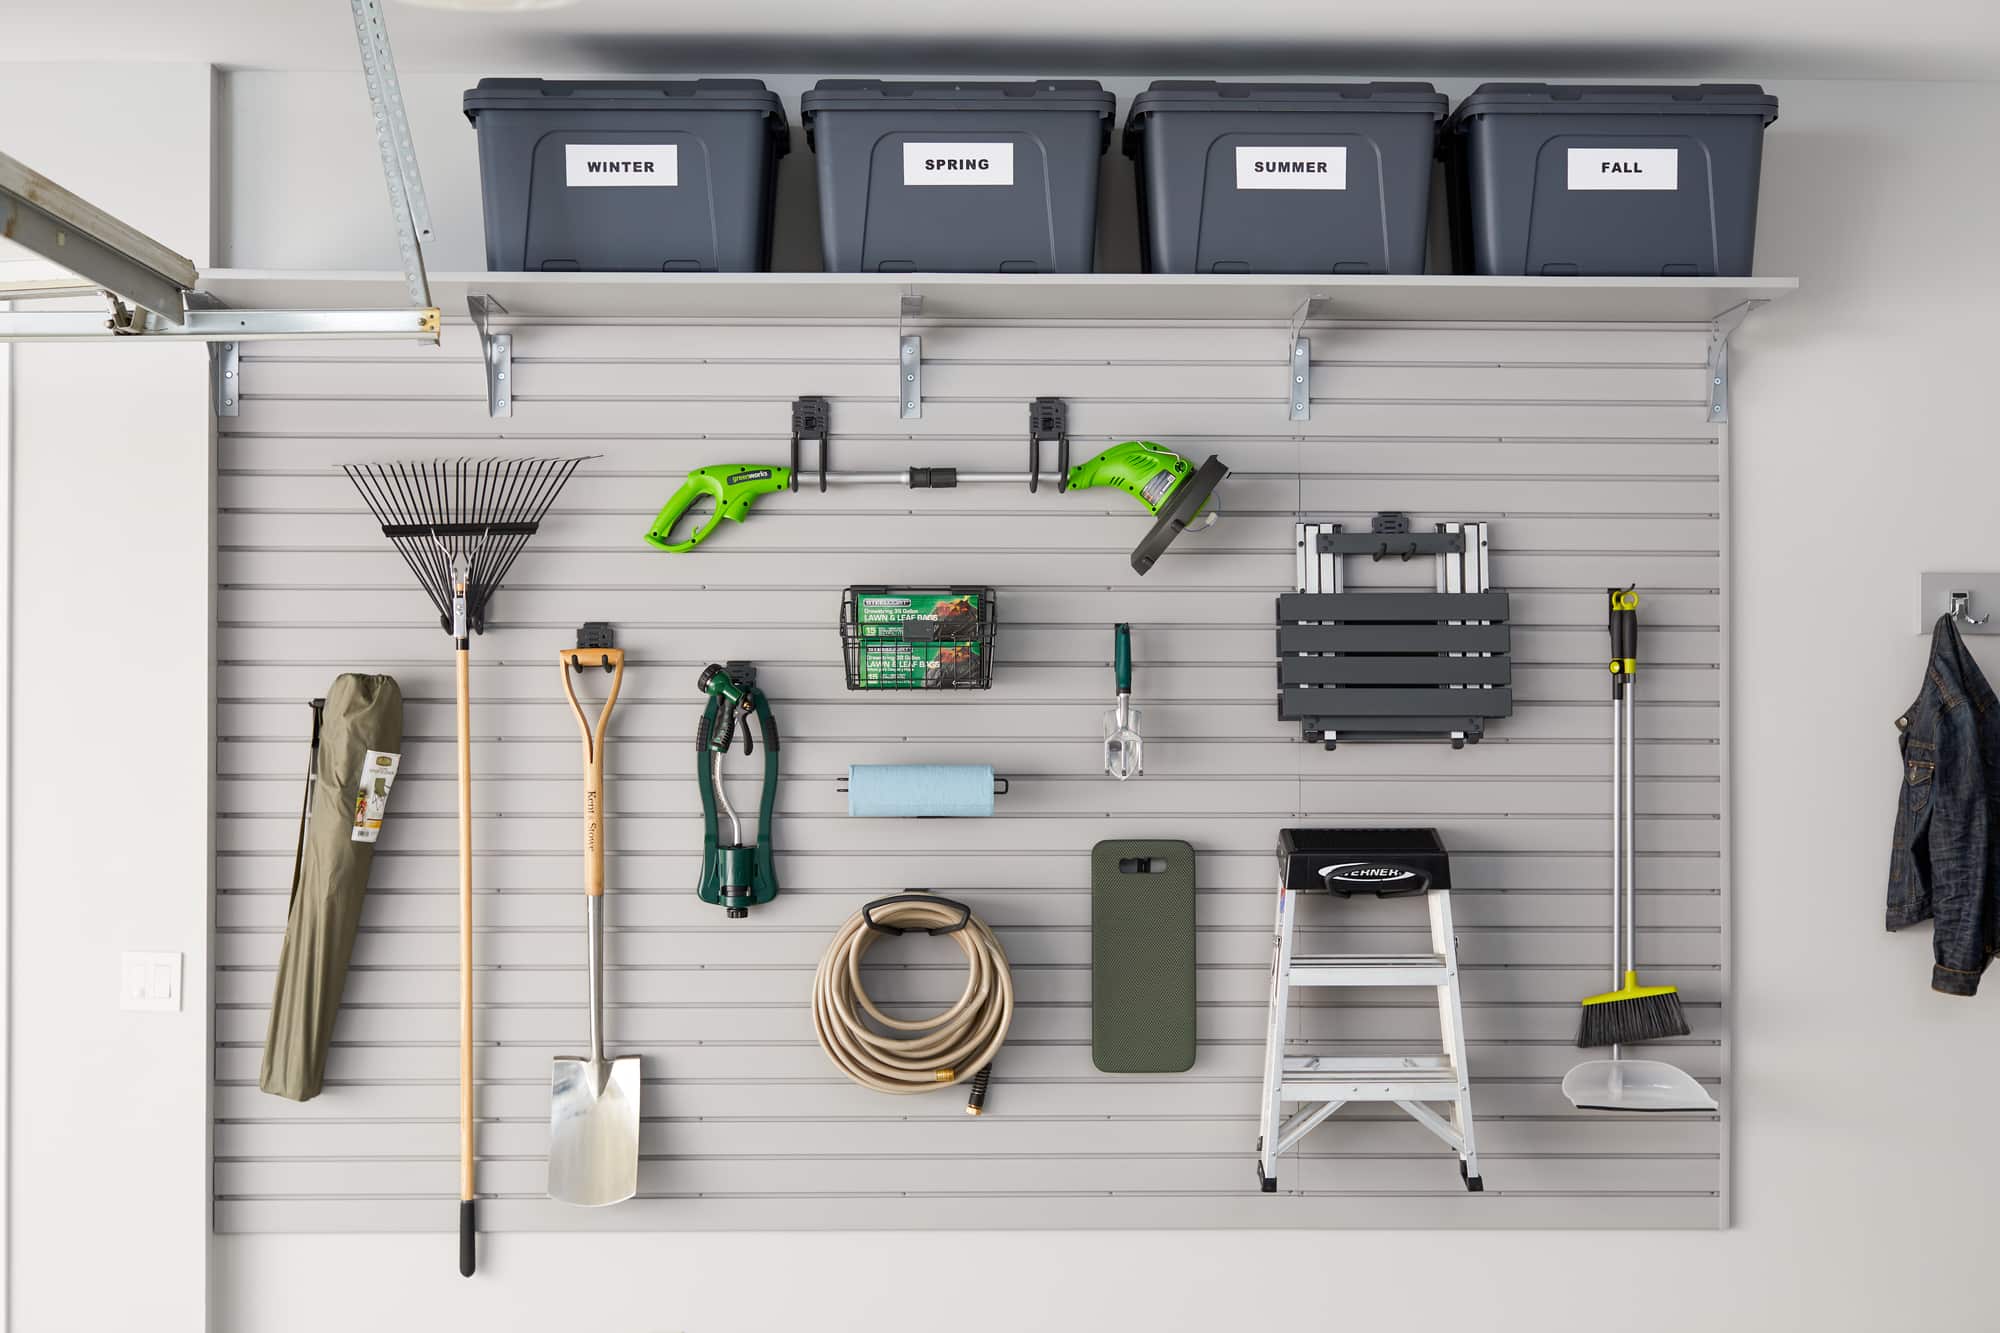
<point x="594" y="1131"/>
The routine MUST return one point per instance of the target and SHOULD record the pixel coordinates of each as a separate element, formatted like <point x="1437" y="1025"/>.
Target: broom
<point x="1632" y="1012"/>
<point x="459" y="524"/>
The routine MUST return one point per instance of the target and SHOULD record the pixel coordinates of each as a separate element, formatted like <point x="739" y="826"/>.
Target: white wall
<point x="1861" y="1101"/>
<point x="111" y="751"/>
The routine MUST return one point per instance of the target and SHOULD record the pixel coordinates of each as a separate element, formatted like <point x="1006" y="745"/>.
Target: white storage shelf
<point x="1272" y="298"/>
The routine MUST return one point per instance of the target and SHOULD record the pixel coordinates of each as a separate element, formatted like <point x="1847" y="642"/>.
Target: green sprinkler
<point x="734" y="876"/>
<point x="1174" y="491"/>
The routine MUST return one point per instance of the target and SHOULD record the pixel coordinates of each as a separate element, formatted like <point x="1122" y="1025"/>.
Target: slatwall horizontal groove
<point x="1585" y="446"/>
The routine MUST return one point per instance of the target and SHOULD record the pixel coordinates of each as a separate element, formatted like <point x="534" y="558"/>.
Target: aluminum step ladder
<point x="1320" y="1085"/>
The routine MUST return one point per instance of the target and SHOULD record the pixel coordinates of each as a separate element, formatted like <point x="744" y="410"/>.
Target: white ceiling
<point x="1746" y="39"/>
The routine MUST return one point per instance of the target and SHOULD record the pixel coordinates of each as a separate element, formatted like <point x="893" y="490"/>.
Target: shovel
<point x="1123" y="749"/>
<point x="594" y="1102"/>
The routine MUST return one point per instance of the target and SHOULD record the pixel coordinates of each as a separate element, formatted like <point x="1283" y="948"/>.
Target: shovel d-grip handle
<point x="572" y="662"/>
<point x="733" y="487"/>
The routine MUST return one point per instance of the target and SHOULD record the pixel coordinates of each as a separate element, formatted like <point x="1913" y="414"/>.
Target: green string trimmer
<point x="1173" y="490"/>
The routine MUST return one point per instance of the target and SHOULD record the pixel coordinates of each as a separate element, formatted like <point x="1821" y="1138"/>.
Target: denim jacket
<point x="1945" y="866"/>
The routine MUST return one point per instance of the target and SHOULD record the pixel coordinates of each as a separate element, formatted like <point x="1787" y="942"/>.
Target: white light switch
<point x="150" y="981"/>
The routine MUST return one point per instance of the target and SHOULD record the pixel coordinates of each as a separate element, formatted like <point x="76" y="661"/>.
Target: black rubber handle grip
<point x="964" y="913"/>
<point x="468" y="1227"/>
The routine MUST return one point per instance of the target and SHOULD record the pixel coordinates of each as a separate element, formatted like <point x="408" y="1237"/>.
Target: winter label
<point x="958" y="164"/>
<point x="1624" y="168"/>
<point x="628" y="164"/>
<point x="371" y="800"/>
<point x="1291" y="168"/>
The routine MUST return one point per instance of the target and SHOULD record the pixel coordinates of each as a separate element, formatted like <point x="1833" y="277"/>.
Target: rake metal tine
<point x="449" y="510"/>
<point x="387" y="508"/>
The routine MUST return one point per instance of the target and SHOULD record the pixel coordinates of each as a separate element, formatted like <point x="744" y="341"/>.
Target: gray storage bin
<point x="627" y="177"/>
<point x="958" y="177"/>
<point x="1283" y="177"/>
<point x="1607" y="181"/>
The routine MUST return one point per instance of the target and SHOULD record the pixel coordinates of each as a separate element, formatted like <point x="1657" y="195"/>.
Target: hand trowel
<point x="1123" y="749"/>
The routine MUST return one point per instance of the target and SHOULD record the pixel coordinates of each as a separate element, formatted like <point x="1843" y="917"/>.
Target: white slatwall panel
<point x="1587" y="449"/>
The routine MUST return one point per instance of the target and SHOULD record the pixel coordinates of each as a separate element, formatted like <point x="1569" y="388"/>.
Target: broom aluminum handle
<point x="1631" y="836"/>
<point x="1617" y="827"/>
<point x="1625" y="647"/>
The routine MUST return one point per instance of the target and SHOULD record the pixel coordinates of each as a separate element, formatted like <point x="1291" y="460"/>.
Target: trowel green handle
<point x="1121" y="659"/>
<point x="734" y="487"/>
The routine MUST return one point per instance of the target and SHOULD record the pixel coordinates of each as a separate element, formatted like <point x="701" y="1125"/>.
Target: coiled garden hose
<point x="956" y="1045"/>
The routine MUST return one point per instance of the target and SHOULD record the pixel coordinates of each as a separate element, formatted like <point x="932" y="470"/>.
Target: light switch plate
<point x="150" y="982"/>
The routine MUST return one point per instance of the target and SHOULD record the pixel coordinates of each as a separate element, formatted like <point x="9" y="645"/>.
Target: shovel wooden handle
<point x="578" y="661"/>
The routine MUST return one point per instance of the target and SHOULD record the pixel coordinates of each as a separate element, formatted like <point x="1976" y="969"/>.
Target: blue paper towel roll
<point x="884" y="790"/>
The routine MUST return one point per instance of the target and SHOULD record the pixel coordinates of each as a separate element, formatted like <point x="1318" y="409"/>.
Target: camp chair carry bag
<point x="356" y="749"/>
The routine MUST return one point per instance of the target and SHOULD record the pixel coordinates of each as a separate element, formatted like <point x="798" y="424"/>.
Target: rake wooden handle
<point x="579" y="660"/>
<point x="466" y="1223"/>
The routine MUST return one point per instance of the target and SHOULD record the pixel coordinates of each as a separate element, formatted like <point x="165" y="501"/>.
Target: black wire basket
<point x="917" y="638"/>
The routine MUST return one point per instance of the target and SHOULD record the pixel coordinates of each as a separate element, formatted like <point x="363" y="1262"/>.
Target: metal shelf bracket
<point x="909" y="360"/>
<point x="1724" y="325"/>
<point x="1298" y="358"/>
<point x="496" y="347"/>
<point x="225" y="367"/>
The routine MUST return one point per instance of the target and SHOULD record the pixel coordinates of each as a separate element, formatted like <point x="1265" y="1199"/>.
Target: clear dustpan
<point x="1634" y="1085"/>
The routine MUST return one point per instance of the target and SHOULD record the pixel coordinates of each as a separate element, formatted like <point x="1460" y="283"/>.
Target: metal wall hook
<point x="1961" y="610"/>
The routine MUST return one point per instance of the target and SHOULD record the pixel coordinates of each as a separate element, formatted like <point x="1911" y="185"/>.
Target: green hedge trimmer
<point x="1174" y="491"/>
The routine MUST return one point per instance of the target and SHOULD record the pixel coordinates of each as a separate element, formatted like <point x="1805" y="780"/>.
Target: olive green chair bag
<point x="356" y="749"/>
